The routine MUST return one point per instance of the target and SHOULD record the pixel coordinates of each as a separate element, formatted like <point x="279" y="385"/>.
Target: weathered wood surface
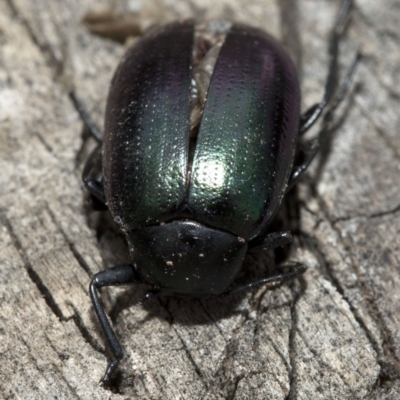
<point x="333" y="334"/>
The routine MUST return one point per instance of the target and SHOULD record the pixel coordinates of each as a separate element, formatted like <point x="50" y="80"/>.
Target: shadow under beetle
<point x="201" y="127"/>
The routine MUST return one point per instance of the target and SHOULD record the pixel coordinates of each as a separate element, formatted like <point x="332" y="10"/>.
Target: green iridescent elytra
<point x="245" y="146"/>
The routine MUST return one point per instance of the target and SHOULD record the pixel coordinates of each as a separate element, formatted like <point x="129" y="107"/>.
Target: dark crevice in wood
<point x="381" y="134"/>
<point x="326" y="367"/>
<point x="187" y="350"/>
<point x="260" y="312"/>
<point x="62" y="357"/>
<point x="43" y="141"/>
<point x="46" y="293"/>
<point x="35" y="278"/>
<point x="84" y="331"/>
<point x="293" y="383"/>
<point x="388" y="361"/>
<point x="213" y="321"/>
<point x="73" y="393"/>
<point x="225" y="382"/>
<point x="191" y="359"/>
<point x="378" y="214"/>
<point x="79" y="258"/>
<point x="329" y="274"/>
<point x="71" y="245"/>
<point x="228" y="383"/>
<point x="282" y="357"/>
<point x="51" y="59"/>
<point x="231" y="395"/>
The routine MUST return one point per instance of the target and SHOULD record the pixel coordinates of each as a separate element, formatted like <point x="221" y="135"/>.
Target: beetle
<point x="201" y="129"/>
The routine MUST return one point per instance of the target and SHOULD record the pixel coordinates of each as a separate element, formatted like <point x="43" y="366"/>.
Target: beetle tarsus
<point x="116" y="276"/>
<point x="111" y="367"/>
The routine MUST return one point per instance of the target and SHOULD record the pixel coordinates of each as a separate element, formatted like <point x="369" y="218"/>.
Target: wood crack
<point x="390" y="370"/>
<point x="380" y="132"/>
<point x="249" y="348"/>
<point x="71" y="245"/>
<point x="187" y="350"/>
<point x="49" y="56"/>
<point x="35" y="278"/>
<point x="34" y="362"/>
<point x="293" y="380"/>
<point x="378" y="214"/>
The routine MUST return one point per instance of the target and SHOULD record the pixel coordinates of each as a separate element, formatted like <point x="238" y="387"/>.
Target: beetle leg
<point x="308" y="119"/>
<point x="296" y="270"/>
<point x="315" y="144"/>
<point x="150" y="294"/>
<point x="94" y="186"/>
<point x="270" y="241"/>
<point x="94" y="130"/>
<point x="119" y="275"/>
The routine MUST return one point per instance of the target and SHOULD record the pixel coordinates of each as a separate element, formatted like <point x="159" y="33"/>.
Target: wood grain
<point x="333" y="334"/>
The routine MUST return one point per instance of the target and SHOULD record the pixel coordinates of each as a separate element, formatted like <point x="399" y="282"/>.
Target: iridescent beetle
<point x="201" y="128"/>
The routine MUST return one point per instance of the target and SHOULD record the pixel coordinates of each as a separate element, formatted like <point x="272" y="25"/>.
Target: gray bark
<point x="332" y="334"/>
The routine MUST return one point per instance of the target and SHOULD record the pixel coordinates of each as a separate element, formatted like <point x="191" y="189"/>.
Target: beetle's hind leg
<point x="119" y="275"/>
<point x="308" y="119"/>
<point x="267" y="242"/>
<point x="315" y="144"/>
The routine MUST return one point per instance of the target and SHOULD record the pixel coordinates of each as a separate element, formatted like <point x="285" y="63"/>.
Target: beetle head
<point x="185" y="257"/>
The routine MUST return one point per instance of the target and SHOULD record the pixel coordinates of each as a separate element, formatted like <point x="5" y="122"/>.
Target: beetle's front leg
<point x="264" y="243"/>
<point x="270" y="241"/>
<point x="296" y="269"/>
<point x="94" y="186"/>
<point x="119" y="275"/>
